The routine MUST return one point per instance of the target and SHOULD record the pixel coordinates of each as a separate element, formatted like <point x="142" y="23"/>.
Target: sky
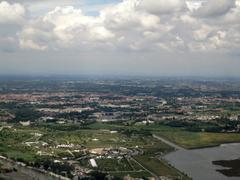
<point x="120" y="37"/>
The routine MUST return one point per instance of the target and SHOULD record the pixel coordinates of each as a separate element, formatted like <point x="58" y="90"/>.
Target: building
<point x="25" y="123"/>
<point x="93" y="163"/>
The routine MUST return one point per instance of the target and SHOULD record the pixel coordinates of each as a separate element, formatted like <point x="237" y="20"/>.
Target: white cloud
<point x="124" y="15"/>
<point x="157" y="25"/>
<point x="193" y="5"/>
<point x="65" y="27"/>
<point x="11" y="13"/>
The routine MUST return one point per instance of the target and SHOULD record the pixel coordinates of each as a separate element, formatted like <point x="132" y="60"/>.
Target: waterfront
<point x="197" y="163"/>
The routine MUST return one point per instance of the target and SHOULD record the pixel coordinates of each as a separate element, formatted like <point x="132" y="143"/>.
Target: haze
<point x="129" y="37"/>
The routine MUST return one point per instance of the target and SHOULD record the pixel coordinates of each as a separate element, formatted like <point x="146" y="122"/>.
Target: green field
<point x="159" y="168"/>
<point x="114" y="165"/>
<point x="185" y="138"/>
<point x="192" y="140"/>
<point x="182" y="137"/>
<point x="98" y="135"/>
<point x="199" y="140"/>
<point x="13" y="145"/>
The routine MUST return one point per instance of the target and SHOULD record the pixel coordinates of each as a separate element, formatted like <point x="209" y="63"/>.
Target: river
<point x="197" y="163"/>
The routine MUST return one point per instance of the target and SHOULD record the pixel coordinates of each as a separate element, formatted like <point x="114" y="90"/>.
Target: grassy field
<point x="11" y="145"/>
<point x="158" y="167"/>
<point x="194" y="139"/>
<point x="114" y="165"/>
<point x="198" y="140"/>
<point x="92" y="138"/>
<point x="180" y="136"/>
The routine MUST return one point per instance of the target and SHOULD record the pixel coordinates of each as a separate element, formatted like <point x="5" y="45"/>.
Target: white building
<point x="93" y="163"/>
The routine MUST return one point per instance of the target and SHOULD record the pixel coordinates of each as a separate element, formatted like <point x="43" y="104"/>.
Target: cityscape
<point x="114" y="128"/>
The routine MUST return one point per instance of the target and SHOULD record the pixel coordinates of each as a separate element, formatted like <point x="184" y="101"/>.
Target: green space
<point x="13" y="144"/>
<point x="192" y="140"/>
<point x="180" y="136"/>
<point x="199" y="140"/>
<point x="113" y="164"/>
<point x="159" y="167"/>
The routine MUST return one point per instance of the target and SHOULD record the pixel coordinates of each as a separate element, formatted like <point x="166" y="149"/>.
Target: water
<point x="197" y="163"/>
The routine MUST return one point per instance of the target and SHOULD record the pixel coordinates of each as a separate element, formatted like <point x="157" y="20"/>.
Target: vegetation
<point x="191" y="140"/>
<point x="232" y="167"/>
<point x="179" y="135"/>
<point x="13" y="145"/>
<point x="158" y="167"/>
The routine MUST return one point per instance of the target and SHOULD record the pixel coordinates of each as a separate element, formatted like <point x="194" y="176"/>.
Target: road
<point x="177" y="147"/>
<point x="156" y="176"/>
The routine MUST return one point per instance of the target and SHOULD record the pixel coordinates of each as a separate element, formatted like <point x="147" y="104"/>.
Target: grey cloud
<point x="162" y="6"/>
<point x="133" y="36"/>
<point x="8" y="44"/>
<point x="212" y="8"/>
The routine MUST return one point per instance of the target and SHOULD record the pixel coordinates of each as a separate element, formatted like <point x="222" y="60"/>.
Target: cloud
<point x="70" y="27"/>
<point x="126" y="15"/>
<point x="162" y="6"/>
<point x="64" y="27"/>
<point x="11" y="13"/>
<point x="212" y="8"/>
<point x="129" y="36"/>
<point x="131" y="25"/>
<point x="193" y="5"/>
<point x="33" y="38"/>
<point x="202" y="33"/>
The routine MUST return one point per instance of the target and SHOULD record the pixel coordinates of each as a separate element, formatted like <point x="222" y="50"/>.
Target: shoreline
<point x="181" y="159"/>
<point x="179" y="146"/>
<point x="32" y="171"/>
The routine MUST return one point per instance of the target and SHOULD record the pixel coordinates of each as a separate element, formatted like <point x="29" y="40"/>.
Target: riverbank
<point x="197" y="140"/>
<point x="27" y="172"/>
<point x="195" y="161"/>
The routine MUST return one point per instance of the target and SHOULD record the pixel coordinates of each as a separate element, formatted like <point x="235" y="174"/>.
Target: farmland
<point x="39" y="144"/>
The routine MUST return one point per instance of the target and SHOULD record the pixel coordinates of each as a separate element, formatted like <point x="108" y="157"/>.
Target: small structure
<point x="65" y="146"/>
<point x="113" y="132"/>
<point x="98" y="151"/>
<point x="25" y="123"/>
<point x="93" y="163"/>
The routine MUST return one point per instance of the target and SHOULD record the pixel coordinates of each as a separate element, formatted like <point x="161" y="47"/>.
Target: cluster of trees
<point x="58" y="168"/>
